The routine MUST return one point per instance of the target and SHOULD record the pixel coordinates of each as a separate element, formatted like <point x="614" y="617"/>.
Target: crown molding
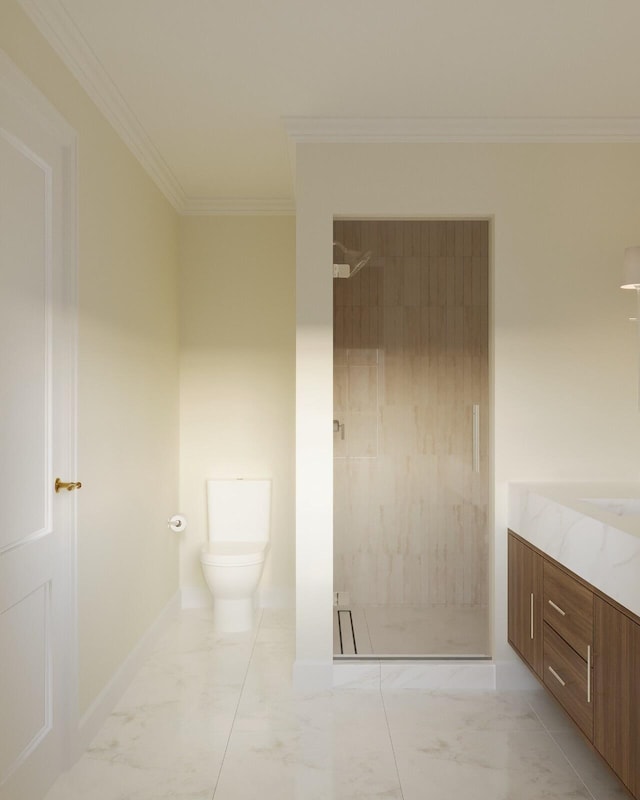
<point x="59" y="29"/>
<point x="55" y="24"/>
<point x="238" y="206"/>
<point x="462" y="129"/>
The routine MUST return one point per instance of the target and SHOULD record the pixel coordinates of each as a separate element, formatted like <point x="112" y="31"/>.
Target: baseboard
<point x="195" y="597"/>
<point x="105" y="702"/>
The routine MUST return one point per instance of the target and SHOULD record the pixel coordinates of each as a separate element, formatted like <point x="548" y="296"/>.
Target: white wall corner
<point x="105" y="702"/>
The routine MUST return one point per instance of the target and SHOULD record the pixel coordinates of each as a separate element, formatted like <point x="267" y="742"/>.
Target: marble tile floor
<point x="212" y="717"/>
<point x="406" y="630"/>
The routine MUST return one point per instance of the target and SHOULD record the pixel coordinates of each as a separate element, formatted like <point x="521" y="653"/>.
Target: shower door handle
<point x="476" y="438"/>
<point x="338" y="427"/>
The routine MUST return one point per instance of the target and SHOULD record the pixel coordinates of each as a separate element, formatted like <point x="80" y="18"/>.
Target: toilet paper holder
<point x="177" y="523"/>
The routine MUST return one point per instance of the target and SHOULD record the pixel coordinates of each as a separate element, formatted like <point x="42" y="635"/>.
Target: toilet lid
<point x="234" y="554"/>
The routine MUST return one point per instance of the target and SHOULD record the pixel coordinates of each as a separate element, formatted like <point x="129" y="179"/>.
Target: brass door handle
<point x="59" y="485"/>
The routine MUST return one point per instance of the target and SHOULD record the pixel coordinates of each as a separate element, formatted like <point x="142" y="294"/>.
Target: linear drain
<point x="346" y="631"/>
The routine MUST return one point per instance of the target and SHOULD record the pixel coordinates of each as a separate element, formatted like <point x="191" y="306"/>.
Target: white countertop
<point x="590" y="539"/>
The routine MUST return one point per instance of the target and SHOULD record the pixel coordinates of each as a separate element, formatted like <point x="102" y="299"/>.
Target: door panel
<point x="24" y="343"/>
<point x="411" y="396"/>
<point x="26" y="695"/>
<point x="37" y="316"/>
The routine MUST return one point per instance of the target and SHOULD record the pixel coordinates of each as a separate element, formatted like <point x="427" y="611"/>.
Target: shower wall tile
<point x="362" y="356"/>
<point x="393" y="283"/>
<point x="458" y="239"/>
<point x="363" y="387"/>
<point x="393" y="329"/>
<point x="455" y="281"/>
<point x="411" y="281"/>
<point x="411" y="240"/>
<point x="437" y="239"/>
<point x="361" y="434"/>
<point x="434" y="281"/>
<point x="368" y="236"/>
<point x="411" y="330"/>
<point x="389" y="238"/>
<point x="411" y="340"/>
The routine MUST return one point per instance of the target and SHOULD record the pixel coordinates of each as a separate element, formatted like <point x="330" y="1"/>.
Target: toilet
<point x="239" y="513"/>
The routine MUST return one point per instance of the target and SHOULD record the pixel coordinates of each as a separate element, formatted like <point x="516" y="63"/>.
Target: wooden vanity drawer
<point x="565" y="675"/>
<point x="568" y="608"/>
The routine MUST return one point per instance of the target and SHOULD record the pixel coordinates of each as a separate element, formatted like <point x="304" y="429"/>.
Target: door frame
<point x="316" y="211"/>
<point x="23" y="92"/>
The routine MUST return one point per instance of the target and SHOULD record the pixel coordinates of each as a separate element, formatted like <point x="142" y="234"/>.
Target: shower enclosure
<point x="411" y="414"/>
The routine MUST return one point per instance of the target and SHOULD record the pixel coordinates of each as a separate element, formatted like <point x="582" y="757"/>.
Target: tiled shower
<point x="411" y="439"/>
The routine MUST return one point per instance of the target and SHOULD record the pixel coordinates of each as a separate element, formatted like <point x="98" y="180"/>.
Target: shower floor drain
<point x="346" y="632"/>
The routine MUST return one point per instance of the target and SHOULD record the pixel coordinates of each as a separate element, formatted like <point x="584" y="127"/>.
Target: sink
<point x="622" y="506"/>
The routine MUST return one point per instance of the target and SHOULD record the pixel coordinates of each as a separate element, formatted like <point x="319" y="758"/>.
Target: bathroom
<point x="189" y="361"/>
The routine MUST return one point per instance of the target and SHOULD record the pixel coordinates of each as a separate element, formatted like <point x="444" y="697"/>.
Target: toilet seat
<point x="234" y="554"/>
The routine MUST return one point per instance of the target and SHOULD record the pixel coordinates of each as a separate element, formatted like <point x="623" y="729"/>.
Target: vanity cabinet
<point x="585" y="648"/>
<point x="569" y="678"/>
<point x="525" y="603"/>
<point x="568" y="644"/>
<point x="617" y="692"/>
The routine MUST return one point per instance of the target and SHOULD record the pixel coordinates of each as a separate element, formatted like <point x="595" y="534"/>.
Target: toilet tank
<point x="239" y="510"/>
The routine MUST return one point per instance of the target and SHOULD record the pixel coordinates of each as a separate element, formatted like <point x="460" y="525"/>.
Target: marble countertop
<point x="592" y="539"/>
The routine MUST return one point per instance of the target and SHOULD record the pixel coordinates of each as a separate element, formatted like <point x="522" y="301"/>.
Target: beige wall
<point x="563" y="352"/>
<point x="128" y="375"/>
<point x="237" y="312"/>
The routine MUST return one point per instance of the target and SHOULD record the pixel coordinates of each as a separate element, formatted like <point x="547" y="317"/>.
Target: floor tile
<point x="414" y="714"/>
<point x="599" y="779"/>
<point x="91" y="779"/>
<point x="166" y="736"/>
<point x="210" y="712"/>
<point x="487" y="765"/>
<point x="552" y="716"/>
<point x="309" y="765"/>
<point x="291" y="712"/>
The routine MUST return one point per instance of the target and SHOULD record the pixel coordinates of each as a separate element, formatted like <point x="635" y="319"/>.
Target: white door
<point x="37" y="424"/>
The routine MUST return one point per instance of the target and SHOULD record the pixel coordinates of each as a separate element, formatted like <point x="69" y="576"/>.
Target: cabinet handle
<point x="531" y="615"/>
<point x="557" y="608"/>
<point x="556" y="676"/>
<point x="588" y="673"/>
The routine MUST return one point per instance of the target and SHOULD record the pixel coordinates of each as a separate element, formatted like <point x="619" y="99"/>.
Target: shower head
<point x="348" y="262"/>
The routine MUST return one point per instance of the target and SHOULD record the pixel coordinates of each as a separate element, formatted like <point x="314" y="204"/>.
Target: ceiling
<point x="199" y="88"/>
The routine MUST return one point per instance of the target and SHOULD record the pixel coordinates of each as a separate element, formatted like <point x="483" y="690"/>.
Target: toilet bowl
<point x="233" y="558"/>
<point x="232" y="571"/>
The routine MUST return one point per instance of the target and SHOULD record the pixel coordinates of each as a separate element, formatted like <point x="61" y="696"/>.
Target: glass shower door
<point x="410" y="466"/>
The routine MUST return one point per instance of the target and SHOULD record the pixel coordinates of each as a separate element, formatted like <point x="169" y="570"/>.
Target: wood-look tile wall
<point x="410" y="361"/>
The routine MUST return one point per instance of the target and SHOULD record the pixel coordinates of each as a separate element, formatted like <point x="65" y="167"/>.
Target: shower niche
<point x="411" y="438"/>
